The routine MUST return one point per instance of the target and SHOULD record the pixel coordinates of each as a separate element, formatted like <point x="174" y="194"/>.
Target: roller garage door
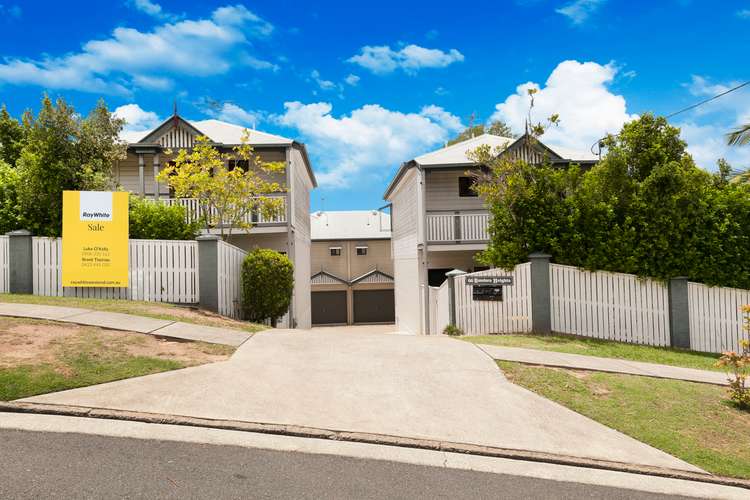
<point x="329" y="308"/>
<point x="374" y="306"/>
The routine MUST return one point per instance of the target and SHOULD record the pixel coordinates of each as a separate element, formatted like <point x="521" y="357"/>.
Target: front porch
<point x="261" y="222"/>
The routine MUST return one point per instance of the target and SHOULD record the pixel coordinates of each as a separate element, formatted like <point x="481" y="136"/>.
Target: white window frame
<point x="331" y="249"/>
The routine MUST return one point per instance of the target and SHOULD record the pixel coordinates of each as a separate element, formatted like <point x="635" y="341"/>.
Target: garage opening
<point x="329" y="308"/>
<point x="374" y="306"/>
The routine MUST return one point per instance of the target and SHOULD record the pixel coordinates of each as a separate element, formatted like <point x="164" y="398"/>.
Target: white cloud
<point x="579" y="93"/>
<point x="136" y="118"/>
<point x="155" y="10"/>
<point x="367" y="142"/>
<point x="382" y="59"/>
<point x="233" y="113"/>
<point x="352" y="80"/>
<point x="115" y="65"/>
<point x="705" y="128"/>
<point x="322" y="83"/>
<point x="579" y="11"/>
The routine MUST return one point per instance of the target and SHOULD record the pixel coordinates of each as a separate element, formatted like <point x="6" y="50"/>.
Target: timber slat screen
<point x="511" y="315"/>
<point x="716" y="319"/>
<point x="160" y="271"/>
<point x="230" y="277"/>
<point x="610" y="306"/>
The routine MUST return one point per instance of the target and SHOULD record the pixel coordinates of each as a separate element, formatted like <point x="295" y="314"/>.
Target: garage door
<point x="374" y="306"/>
<point x="329" y="308"/>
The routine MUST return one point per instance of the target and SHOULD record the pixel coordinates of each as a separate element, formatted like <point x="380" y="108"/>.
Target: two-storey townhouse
<point x="287" y="232"/>
<point x="352" y="280"/>
<point x="439" y="223"/>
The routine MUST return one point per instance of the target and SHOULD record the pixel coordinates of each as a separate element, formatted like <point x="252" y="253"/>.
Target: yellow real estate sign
<point x="95" y="239"/>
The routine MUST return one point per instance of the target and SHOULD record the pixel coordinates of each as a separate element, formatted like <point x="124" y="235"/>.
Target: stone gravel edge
<point x="367" y="438"/>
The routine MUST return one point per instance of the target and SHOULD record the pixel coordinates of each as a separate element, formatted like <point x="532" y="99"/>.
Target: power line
<point x="709" y="99"/>
<point x="701" y="103"/>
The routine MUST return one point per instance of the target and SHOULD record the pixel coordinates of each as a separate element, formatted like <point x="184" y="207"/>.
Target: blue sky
<point x="367" y="85"/>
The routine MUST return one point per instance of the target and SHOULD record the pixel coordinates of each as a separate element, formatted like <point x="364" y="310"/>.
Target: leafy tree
<point x="267" y="285"/>
<point x="156" y="221"/>
<point x="497" y="127"/>
<point x="645" y="209"/>
<point x="226" y="195"/>
<point x="8" y="198"/>
<point x="64" y="151"/>
<point x="12" y="135"/>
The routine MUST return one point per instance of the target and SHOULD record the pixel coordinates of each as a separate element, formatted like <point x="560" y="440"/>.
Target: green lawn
<point x="37" y="356"/>
<point x="603" y="348"/>
<point x="694" y="422"/>
<point x="158" y="310"/>
<point x="30" y="380"/>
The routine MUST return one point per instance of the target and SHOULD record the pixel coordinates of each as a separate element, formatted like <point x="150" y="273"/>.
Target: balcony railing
<point x="457" y="227"/>
<point x="193" y="211"/>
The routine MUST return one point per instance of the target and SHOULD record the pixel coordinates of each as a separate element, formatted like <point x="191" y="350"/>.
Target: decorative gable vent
<point x="177" y="137"/>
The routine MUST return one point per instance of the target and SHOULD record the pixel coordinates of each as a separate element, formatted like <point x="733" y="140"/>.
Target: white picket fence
<point x="160" y="271"/>
<point x="230" y="279"/>
<point x="716" y="318"/>
<point x="604" y="305"/>
<point x="439" y="308"/>
<point x="610" y="306"/>
<point x="513" y="314"/>
<point x="4" y="267"/>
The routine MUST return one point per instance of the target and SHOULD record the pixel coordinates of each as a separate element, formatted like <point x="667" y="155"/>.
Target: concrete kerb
<point x="367" y="438"/>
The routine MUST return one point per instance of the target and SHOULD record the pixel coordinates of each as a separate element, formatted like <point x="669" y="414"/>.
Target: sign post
<point x="95" y="239"/>
<point x="488" y="288"/>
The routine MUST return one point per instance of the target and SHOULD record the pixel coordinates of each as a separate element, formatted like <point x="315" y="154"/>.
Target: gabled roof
<point x="227" y="133"/>
<point x="374" y="276"/>
<point x="456" y="154"/>
<point x="218" y="132"/>
<point x="350" y="225"/>
<point x="326" y="278"/>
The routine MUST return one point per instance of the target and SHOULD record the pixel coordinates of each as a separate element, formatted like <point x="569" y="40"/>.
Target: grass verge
<point x="603" y="348"/>
<point x="37" y="357"/>
<point x="158" y="310"/>
<point x="694" y="422"/>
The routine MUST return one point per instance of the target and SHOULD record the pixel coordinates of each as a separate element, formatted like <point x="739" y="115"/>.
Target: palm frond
<point x="740" y="137"/>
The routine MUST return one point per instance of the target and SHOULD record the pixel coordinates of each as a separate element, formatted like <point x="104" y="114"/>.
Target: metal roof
<point x="456" y="155"/>
<point x="219" y="132"/>
<point x="350" y="225"/>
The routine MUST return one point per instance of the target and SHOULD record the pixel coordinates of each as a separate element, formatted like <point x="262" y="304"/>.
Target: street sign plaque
<point x="490" y="280"/>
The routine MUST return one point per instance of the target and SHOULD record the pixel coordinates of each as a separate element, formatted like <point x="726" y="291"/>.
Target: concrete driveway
<point x="411" y="386"/>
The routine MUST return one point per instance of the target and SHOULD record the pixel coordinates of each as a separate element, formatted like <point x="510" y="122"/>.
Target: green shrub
<point x="156" y="221"/>
<point x="738" y="366"/>
<point x="453" y="331"/>
<point x="267" y="285"/>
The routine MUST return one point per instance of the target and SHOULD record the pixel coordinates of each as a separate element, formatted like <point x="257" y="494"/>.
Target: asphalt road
<point x="51" y="465"/>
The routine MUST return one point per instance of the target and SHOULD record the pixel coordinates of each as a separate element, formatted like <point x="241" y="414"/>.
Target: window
<point x="241" y="164"/>
<point x="361" y="250"/>
<point x="335" y="251"/>
<point x="465" y="185"/>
